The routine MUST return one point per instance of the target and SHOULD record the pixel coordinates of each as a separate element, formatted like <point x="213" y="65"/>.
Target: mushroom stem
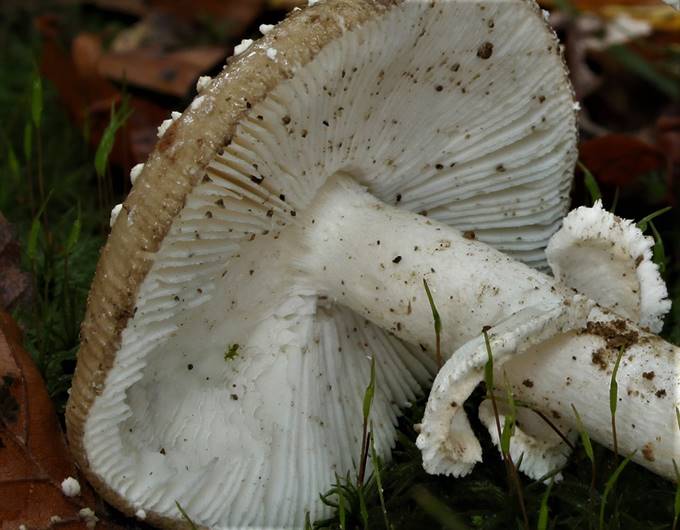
<point x="575" y="368"/>
<point x="373" y="257"/>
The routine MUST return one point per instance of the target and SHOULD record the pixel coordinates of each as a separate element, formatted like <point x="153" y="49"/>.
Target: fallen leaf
<point x="619" y="159"/>
<point x="169" y="73"/>
<point x="15" y="284"/>
<point x="34" y="459"/>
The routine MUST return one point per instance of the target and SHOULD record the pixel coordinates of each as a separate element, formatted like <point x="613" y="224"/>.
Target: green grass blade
<point x="585" y="438"/>
<point x="32" y="243"/>
<point x="509" y="420"/>
<point x="73" y="236"/>
<point x="28" y="141"/>
<point x="640" y="66"/>
<point x="118" y="119"/>
<point x="36" y="100"/>
<point x="342" y="514"/>
<point x="185" y="516"/>
<point x="435" y="314"/>
<point x="378" y="479"/>
<point x="614" y="386"/>
<point x="609" y="486"/>
<point x="370" y="392"/>
<point x="438" y="510"/>
<point x="13" y="163"/>
<point x="658" y="251"/>
<point x="488" y="367"/>
<point x="590" y="183"/>
<point x="544" y="511"/>
<point x="363" y="510"/>
<point x="643" y="223"/>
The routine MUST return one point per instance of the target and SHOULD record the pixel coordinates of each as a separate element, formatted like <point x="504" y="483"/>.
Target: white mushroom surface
<point x="561" y="356"/>
<point x="233" y="379"/>
<point x="610" y="260"/>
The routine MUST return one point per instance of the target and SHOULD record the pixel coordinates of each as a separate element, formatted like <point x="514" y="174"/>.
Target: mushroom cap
<point x="207" y="372"/>
<point x="609" y="259"/>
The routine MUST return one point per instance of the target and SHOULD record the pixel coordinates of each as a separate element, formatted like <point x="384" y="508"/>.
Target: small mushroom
<point x="282" y="230"/>
<point x="569" y="363"/>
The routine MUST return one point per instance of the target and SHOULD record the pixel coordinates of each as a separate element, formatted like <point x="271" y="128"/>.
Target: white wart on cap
<point x="214" y="369"/>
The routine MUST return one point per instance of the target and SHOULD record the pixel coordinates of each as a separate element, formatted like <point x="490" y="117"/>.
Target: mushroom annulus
<point x="277" y="240"/>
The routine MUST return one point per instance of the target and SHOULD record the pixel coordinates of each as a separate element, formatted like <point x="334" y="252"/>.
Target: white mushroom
<point x="608" y="259"/>
<point x="283" y="237"/>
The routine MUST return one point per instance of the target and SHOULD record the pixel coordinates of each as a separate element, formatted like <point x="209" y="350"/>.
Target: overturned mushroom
<point x="271" y="244"/>
<point x="559" y="355"/>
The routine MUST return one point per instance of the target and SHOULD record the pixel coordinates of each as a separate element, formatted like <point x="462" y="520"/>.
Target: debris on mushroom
<point x="70" y="487"/>
<point x="115" y="212"/>
<point x="297" y="219"/>
<point x="163" y="127"/>
<point x="203" y="83"/>
<point x="135" y="172"/>
<point x="609" y="259"/>
<point x="243" y="46"/>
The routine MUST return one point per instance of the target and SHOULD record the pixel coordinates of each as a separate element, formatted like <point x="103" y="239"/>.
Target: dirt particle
<point x="470" y="234"/>
<point x="660" y="393"/>
<point x="649" y="376"/>
<point x="528" y="383"/>
<point x="397" y="259"/>
<point x="285" y="120"/>
<point x="615" y="332"/>
<point x="599" y="358"/>
<point x="485" y="50"/>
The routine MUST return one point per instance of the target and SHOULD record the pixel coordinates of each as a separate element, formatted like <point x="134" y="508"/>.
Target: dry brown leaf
<point x="34" y="459"/>
<point x="619" y="159"/>
<point x="15" y="285"/>
<point x="169" y="73"/>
